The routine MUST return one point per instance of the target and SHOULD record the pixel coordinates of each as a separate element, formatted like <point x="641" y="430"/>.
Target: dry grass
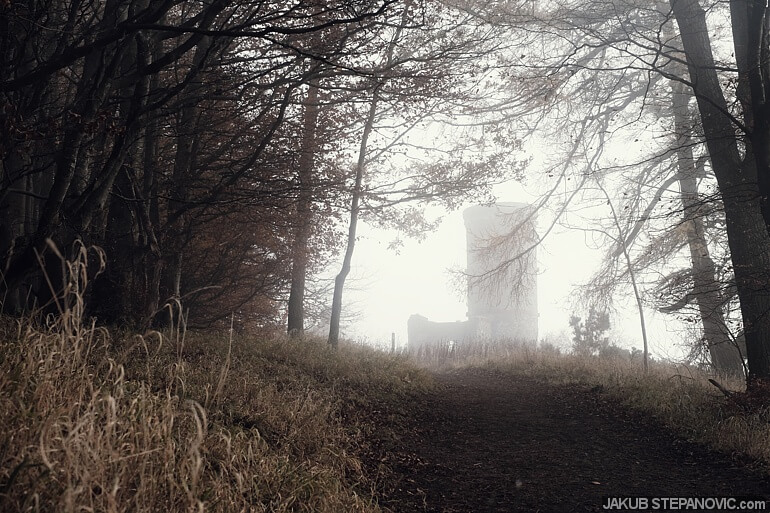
<point x="678" y="395"/>
<point x="93" y="421"/>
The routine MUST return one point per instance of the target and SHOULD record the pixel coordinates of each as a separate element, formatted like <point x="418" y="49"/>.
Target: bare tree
<point x="739" y="159"/>
<point x="419" y="78"/>
<point x="596" y="57"/>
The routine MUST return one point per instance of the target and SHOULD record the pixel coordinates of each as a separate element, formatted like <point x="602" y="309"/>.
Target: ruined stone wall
<point x="421" y="331"/>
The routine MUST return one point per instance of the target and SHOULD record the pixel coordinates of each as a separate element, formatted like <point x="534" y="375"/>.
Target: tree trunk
<point x="187" y="140"/>
<point x="339" y="281"/>
<point x="737" y="179"/>
<point x="750" y="22"/>
<point x="621" y="240"/>
<point x="118" y="295"/>
<point x="303" y="231"/>
<point x="147" y="212"/>
<point x="14" y="212"/>
<point x="725" y="355"/>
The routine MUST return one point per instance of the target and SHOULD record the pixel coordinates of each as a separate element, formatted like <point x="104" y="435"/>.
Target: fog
<point x="424" y="277"/>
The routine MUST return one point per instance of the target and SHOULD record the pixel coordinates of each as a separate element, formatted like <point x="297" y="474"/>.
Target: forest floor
<point x="494" y="442"/>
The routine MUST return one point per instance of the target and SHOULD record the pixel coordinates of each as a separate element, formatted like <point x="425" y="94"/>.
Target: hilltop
<point x="177" y="421"/>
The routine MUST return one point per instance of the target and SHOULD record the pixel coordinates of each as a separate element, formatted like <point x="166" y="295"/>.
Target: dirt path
<point x="500" y="444"/>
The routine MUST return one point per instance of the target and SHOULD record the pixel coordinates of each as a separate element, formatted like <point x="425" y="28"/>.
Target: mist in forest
<point x="223" y="163"/>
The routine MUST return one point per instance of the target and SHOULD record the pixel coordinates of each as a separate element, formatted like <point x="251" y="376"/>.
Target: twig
<point x="721" y="388"/>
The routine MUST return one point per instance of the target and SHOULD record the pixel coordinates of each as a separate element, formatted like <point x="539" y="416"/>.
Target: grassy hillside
<point x="93" y="421"/>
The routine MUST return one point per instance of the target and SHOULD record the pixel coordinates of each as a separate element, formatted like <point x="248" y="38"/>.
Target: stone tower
<point x="502" y="271"/>
<point x="502" y="280"/>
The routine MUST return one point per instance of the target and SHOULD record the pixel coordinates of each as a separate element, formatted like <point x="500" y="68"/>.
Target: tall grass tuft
<point x="180" y="421"/>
